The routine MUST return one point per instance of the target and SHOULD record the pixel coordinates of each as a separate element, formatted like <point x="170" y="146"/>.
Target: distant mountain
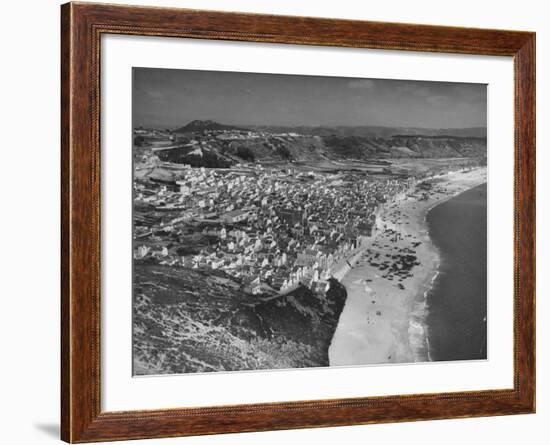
<point x="198" y="126"/>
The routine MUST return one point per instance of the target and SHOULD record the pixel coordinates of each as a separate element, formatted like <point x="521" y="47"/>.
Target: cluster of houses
<point x="269" y="229"/>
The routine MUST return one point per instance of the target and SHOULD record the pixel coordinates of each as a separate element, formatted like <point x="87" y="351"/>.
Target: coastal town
<point x="268" y="228"/>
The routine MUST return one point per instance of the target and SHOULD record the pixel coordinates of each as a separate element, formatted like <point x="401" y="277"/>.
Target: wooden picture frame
<point x="82" y="25"/>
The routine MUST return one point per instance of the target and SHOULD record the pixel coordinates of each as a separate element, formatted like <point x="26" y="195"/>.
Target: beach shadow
<point x="49" y="429"/>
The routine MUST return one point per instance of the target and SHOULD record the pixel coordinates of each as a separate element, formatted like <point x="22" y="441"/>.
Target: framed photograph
<point x="275" y="222"/>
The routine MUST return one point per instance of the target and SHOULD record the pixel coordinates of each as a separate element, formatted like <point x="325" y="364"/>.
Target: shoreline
<point x="384" y="317"/>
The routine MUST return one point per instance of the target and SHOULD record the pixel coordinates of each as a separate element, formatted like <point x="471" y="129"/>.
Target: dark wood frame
<point x="82" y="25"/>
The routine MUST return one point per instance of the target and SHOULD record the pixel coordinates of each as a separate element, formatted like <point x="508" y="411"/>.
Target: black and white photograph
<point x="276" y="222"/>
<point x="292" y="221"/>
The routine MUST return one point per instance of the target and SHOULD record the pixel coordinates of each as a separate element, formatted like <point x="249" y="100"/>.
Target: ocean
<point x="457" y="302"/>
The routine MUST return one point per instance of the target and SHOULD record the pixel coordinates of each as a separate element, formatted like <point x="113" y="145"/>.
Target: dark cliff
<point x="177" y="331"/>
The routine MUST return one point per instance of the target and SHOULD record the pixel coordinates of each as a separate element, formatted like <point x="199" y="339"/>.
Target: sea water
<point x="457" y="302"/>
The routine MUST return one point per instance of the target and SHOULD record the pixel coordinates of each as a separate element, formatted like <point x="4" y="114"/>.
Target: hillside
<point x="179" y="331"/>
<point x="211" y="144"/>
<point x="218" y="153"/>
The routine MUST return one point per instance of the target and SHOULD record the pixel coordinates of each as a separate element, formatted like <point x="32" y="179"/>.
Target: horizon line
<point x="312" y="125"/>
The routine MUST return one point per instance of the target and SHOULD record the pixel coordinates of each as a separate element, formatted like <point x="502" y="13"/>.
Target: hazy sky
<point x="175" y="97"/>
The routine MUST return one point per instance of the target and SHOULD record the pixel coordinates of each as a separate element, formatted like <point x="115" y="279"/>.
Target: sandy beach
<point x="383" y="318"/>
